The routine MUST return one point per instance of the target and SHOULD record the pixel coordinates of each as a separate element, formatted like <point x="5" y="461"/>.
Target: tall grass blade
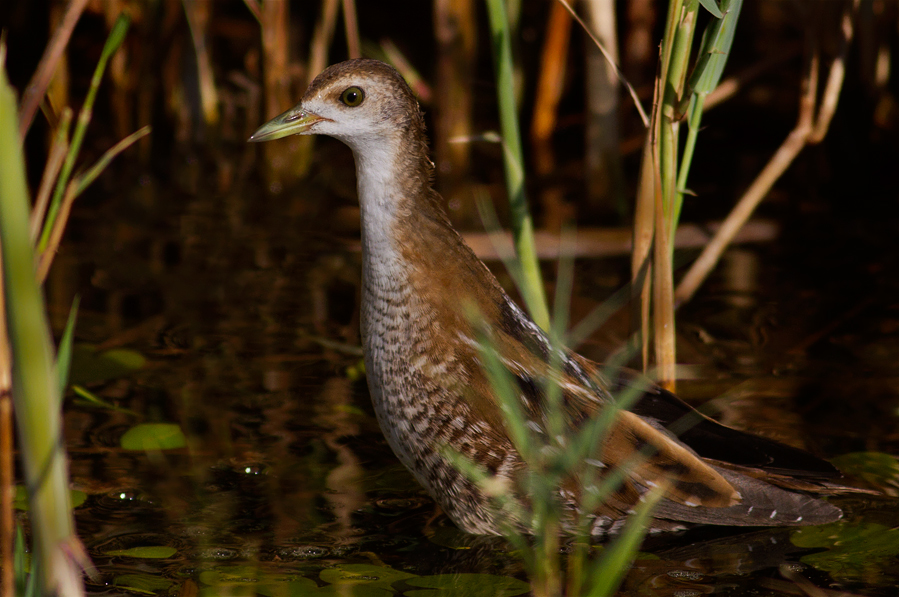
<point x="116" y="36"/>
<point x="64" y="353"/>
<point x="58" y="151"/>
<point x="35" y="386"/>
<point x="90" y="175"/>
<point x="25" y="586"/>
<point x="714" y="51"/>
<point x="609" y="570"/>
<point x="522" y="223"/>
<point x="501" y="380"/>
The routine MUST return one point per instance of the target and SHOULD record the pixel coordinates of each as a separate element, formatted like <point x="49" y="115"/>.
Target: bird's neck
<point x="416" y="268"/>
<point x="395" y="197"/>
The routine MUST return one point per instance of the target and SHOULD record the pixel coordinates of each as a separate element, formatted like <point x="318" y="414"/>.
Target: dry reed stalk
<point x="592" y="243"/>
<point x="455" y="31"/>
<point x="351" y="26"/>
<point x="605" y="179"/>
<point x="290" y="159"/>
<point x="639" y="45"/>
<point x="810" y="128"/>
<point x="58" y="150"/>
<point x="37" y="87"/>
<point x="550" y="85"/>
<point x="321" y="38"/>
<point x="197" y="12"/>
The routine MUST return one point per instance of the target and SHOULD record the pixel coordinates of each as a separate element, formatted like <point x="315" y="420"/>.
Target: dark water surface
<point x="244" y="305"/>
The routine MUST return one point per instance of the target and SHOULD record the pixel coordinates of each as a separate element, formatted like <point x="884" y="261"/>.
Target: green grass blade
<point x="64" y="352"/>
<point x="714" y="51"/>
<point x="35" y="388"/>
<point x="712" y="7"/>
<point x="23" y="581"/>
<point x="116" y="36"/>
<point x="715" y="48"/>
<point x="522" y="224"/>
<point x="84" y="180"/>
<point x="609" y="571"/>
<point x="507" y="393"/>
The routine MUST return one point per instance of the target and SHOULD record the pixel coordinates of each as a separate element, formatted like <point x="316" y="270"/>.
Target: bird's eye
<point x="352" y="96"/>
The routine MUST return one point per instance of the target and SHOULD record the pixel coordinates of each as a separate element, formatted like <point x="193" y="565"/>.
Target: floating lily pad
<point x="875" y="468"/>
<point x="230" y="575"/>
<point x="251" y="581"/>
<point x="853" y="551"/>
<point x="363" y="574"/>
<point x="142" y="583"/>
<point x="89" y="366"/>
<point x="21" y="500"/>
<point x="156" y="552"/>
<point x="467" y="585"/>
<point x="154" y="436"/>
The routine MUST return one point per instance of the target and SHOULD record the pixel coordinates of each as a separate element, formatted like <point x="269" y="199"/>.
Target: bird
<point x="424" y="356"/>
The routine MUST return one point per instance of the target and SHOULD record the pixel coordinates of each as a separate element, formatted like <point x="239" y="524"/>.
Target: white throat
<point x="382" y="201"/>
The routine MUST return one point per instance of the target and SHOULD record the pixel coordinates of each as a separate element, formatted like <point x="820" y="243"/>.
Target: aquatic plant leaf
<point x="64" y="352"/>
<point x="89" y="366"/>
<point x="24" y="580"/>
<point x="467" y="585"/>
<point x="251" y="581"/>
<point x="304" y="587"/>
<point x="21" y="500"/>
<point x="712" y="7"/>
<point x="89" y="398"/>
<point x="299" y="586"/>
<point x="853" y="550"/>
<point x="154" y="436"/>
<point x="340" y="591"/>
<point x="240" y="574"/>
<point x="142" y="583"/>
<point x="156" y="552"/>
<point x="363" y="574"/>
<point x="875" y="468"/>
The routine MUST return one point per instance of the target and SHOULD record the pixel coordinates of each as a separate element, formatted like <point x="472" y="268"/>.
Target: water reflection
<point x="244" y="309"/>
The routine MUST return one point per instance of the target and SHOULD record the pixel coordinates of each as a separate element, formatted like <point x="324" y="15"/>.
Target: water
<point x="243" y="305"/>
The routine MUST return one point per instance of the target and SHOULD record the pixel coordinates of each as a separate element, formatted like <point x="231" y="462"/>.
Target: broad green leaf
<point x="717" y="40"/>
<point x="252" y="581"/>
<point x="154" y="436"/>
<point x="852" y="550"/>
<point x="876" y="468"/>
<point x="89" y="366"/>
<point x="230" y="575"/>
<point x="142" y="583"/>
<point x="150" y="552"/>
<point x="21" y="500"/>
<point x="359" y="574"/>
<point x="712" y="7"/>
<point x="299" y="586"/>
<point x="467" y="585"/>
<point x="77" y="497"/>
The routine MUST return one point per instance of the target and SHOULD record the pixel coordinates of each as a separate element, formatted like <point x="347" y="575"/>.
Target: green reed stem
<point x="116" y="36"/>
<point x="522" y="223"/>
<point x="36" y="393"/>
<point x="713" y="54"/>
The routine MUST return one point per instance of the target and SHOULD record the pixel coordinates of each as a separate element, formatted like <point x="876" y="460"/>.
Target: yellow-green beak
<point x="295" y="121"/>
